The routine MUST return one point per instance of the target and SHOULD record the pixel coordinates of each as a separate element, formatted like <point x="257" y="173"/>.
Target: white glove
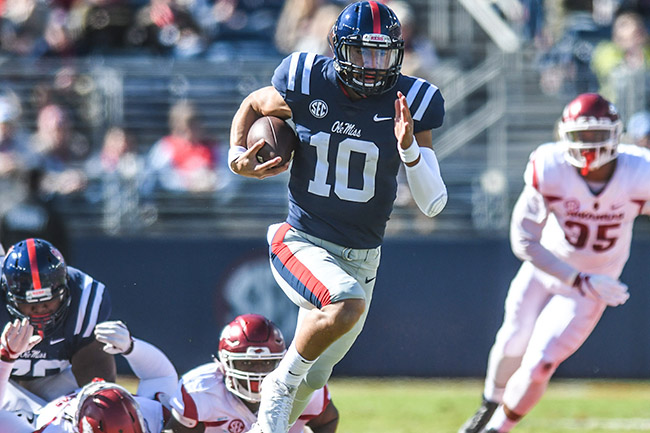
<point x="115" y="336"/>
<point x="17" y="338"/>
<point x="602" y="288"/>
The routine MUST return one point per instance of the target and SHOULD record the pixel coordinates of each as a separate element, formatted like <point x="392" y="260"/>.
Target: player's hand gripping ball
<point x="279" y="137"/>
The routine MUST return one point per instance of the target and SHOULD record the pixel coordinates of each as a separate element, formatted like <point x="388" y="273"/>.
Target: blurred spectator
<point x="114" y="180"/>
<point x="184" y="160"/>
<point x="22" y="26"/>
<point x="33" y="216"/>
<point x="14" y="148"/>
<point x="59" y="151"/>
<point x="116" y="161"/>
<point x="638" y="129"/>
<point x="58" y="41"/>
<point x="167" y="27"/>
<point x="302" y="22"/>
<point x="420" y="56"/>
<point x="102" y="25"/>
<point x="628" y="49"/>
<point x="565" y="65"/>
<point x="246" y="19"/>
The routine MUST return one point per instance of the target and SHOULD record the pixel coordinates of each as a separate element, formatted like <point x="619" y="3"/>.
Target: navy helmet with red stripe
<point x="368" y="47"/>
<point x="34" y="271"/>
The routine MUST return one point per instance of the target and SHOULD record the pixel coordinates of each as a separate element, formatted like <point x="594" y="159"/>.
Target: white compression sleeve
<point x="5" y="373"/>
<point x="426" y="184"/>
<point x="155" y="371"/>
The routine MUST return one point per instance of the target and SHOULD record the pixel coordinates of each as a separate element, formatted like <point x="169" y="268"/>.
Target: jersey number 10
<point x="319" y="185"/>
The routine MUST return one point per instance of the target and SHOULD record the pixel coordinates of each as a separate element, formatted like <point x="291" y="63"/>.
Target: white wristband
<point x="233" y="153"/>
<point x="410" y="154"/>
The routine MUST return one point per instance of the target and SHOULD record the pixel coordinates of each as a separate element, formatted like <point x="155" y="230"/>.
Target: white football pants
<point x="539" y="331"/>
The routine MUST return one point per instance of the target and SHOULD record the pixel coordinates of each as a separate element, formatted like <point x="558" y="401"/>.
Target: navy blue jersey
<point x="344" y="175"/>
<point x="90" y="304"/>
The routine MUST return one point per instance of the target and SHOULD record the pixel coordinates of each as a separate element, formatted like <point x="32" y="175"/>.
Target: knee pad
<point x="543" y="371"/>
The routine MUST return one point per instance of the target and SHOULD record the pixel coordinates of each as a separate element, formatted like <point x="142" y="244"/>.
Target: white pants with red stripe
<point x="313" y="273"/>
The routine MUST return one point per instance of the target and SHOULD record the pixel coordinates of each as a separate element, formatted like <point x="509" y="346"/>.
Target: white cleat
<point x="275" y="407"/>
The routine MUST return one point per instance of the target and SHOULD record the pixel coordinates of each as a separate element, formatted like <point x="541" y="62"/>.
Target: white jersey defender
<point x="202" y="396"/>
<point x="572" y="228"/>
<point x="586" y="231"/>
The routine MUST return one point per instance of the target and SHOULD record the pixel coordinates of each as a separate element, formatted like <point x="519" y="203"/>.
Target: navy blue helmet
<point x="368" y="47"/>
<point x="34" y="271"/>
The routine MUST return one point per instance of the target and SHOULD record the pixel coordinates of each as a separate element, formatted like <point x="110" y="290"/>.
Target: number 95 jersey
<point x="344" y="174"/>
<point x="591" y="232"/>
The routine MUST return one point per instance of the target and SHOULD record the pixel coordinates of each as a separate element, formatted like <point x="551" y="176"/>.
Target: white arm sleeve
<point x="5" y="372"/>
<point x="528" y="219"/>
<point x="155" y="371"/>
<point x="426" y="185"/>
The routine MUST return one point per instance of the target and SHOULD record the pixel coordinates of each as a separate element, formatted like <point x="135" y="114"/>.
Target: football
<point x="279" y="137"/>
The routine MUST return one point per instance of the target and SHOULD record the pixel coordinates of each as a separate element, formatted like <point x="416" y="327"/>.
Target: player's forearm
<point x="242" y="121"/>
<point x="153" y="368"/>
<point x="263" y="102"/>
<point x="525" y="241"/>
<point x="425" y="182"/>
<point x="543" y="259"/>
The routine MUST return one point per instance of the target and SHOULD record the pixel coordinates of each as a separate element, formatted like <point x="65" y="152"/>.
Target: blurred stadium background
<point x="180" y="265"/>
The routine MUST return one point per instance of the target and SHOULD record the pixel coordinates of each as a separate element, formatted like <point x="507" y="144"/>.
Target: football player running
<point x="224" y="396"/>
<point x="100" y="406"/>
<point x="572" y="228"/>
<point x="358" y="119"/>
<point x="63" y="305"/>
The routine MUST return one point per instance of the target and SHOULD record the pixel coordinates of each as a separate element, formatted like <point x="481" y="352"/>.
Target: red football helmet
<point x="107" y="408"/>
<point x="591" y="129"/>
<point x="250" y="347"/>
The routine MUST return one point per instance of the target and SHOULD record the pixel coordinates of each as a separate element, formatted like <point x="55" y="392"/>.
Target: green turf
<point x="441" y="406"/>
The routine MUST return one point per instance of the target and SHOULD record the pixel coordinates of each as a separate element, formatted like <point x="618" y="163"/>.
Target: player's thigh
<point x="563" y="326"/>
<point x="526" y="299"/>
<point x="311" y="275"/>
<point x="14" y="423"/>
<point x="19" y="400"/>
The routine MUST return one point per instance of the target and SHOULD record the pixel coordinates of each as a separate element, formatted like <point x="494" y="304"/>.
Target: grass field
<point x="442" y="405"/>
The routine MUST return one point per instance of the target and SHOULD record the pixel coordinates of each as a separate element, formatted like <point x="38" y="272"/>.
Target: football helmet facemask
<point x="591" y="130"/>
<point x="250" y="347"/>
<point x="368" y="48"/>
<point x="34" y="271"/>
<point x="107" y="408"/>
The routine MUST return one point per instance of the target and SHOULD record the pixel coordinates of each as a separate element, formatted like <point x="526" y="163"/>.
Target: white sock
<point x="293" y="367"/>
<point x="500" y="422"/>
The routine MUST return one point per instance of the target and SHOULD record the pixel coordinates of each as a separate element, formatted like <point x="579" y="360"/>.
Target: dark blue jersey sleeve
<point x="280" y="76"/>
